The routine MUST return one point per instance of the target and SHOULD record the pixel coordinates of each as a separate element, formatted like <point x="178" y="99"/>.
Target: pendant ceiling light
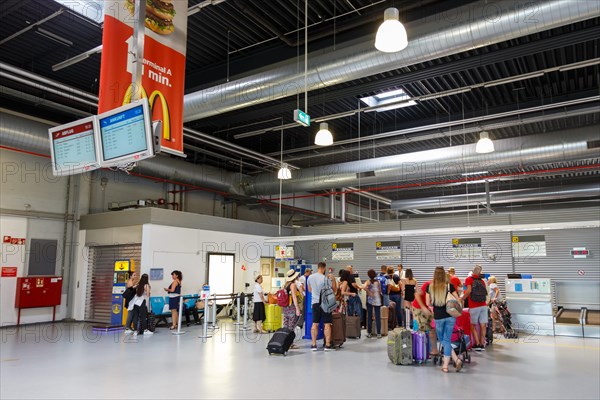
<point x="324" y="136"/>
<point x="284" y="172"/>
<point x="485" y="144"/>
<point x="391" y="35"/>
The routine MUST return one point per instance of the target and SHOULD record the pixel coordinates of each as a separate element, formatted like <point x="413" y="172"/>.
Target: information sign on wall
<point x="284" y="252"/>
<point x="342" y="251"/>
<point x="389" y="250"/>
<point x="466" y="248"/>
<point x="529" y="246"/>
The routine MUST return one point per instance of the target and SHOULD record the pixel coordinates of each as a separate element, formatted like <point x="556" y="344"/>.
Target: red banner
<point x="163" y="76"/>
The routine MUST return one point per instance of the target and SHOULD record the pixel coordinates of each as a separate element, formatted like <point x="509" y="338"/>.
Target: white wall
<point x="29" y="185"/>
<point x="185" y="249"/>
<point x="16" y="256"/>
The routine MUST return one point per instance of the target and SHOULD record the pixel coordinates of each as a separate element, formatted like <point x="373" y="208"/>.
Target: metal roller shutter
<point x="100" y="278"/>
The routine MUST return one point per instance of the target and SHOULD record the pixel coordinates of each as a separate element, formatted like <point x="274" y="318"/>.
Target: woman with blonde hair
<point x="444" y="322"/>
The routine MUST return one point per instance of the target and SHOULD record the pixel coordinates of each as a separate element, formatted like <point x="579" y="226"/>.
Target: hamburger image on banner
<point x="159" y="15"/>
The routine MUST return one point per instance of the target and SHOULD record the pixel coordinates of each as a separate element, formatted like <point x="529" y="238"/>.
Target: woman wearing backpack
<point x="444" y="322"/>
<point x="373" y="289"/>
<point x="293" y="309"/>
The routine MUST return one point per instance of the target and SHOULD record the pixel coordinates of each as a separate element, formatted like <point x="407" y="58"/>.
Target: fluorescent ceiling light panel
<point x="475" y="173"/>
<point x="91" y="9"/>
<point x="398" y="96"/>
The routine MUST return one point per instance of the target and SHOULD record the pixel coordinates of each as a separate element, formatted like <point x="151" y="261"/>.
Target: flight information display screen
<point x="124" y="133"/>
<point x="73" y="147"/>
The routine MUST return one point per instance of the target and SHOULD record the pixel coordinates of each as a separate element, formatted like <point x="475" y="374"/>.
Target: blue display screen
<point x="123" y="134"/>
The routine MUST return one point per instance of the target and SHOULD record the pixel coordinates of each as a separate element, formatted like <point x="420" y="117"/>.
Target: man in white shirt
<point x="301" y="281"/>
<point x="400" y="272"/>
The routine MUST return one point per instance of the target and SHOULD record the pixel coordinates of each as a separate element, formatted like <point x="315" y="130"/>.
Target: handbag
<point x="453" y="306"/>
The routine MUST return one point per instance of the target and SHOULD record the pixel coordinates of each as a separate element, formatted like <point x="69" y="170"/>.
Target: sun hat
<point x="292" y="275"/>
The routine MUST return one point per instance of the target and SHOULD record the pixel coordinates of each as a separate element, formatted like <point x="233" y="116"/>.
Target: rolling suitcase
<point x="281" y="341"/>
<point x="399" y="346"/>
<point x="338" y="329"/>
<point x="353" y="326"/>
<point x="274" y="319"/>
<point x="420" y="346"/>
<point x="392" y="316"/>
<point x="407" y="319"/>
<point x="151" y="322"/>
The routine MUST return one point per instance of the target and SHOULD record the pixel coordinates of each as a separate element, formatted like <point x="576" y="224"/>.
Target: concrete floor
<point x="69" y="361"/>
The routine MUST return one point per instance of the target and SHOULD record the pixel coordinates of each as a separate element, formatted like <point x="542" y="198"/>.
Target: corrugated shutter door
<point x="100" y="278"/>
<point x="560" y="266"/>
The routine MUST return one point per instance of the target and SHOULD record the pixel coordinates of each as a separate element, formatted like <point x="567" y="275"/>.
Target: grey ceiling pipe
<point x="25" y="134"/>
<point x="465" y="28"/>
<point x="559" y="146"/>
<point x="505" y="196"/>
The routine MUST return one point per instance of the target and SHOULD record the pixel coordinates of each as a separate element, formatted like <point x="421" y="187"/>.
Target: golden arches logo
<point x="166" y="118"/>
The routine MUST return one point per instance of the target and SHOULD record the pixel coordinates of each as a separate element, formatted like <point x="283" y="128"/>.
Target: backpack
<point x="283" y="298"/>
<point x="383" y="281"/>
<point x="327" y="297"/>
<point x="478" y="291"/>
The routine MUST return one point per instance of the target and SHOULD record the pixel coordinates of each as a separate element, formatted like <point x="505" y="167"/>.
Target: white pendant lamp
<point x="485" y="144"/>
<point x="391" y="35"/>
<point x="324" y="136"/>
<point x="284" y="172"/>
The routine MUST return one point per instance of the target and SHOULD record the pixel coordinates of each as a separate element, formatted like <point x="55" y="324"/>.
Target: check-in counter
<point x="569" y="322"/>
<point x="591" y="323"/>
<point x="530" y="304"/>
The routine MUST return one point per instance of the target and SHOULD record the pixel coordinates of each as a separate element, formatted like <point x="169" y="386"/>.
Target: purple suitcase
<point x="420" y="347"/>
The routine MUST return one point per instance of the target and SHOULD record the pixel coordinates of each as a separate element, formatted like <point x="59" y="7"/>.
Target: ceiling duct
<point x="500" y="197"/>
<point x="465" y="28"/>
<point x="443" y="162"/>
<point x="32" y="136"/>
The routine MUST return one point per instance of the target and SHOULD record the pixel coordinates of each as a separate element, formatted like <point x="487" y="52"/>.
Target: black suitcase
<point x="151" y="321"/>
<point x="281" y="341"/>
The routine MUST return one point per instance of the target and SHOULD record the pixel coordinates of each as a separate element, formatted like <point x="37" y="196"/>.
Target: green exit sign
<point x="301" y="117"/>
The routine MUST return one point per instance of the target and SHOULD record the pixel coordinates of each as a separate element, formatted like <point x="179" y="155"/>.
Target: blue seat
<point x="157" y="304"/>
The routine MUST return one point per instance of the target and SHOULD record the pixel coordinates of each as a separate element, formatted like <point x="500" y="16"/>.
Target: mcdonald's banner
<point x="163" y="75"/>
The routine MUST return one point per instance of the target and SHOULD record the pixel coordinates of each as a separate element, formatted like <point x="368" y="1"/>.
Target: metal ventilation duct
<point x="444" y="162"/>
<point x="465" y="28"/>
<point x="28" y="135"/>
<point x="505" y="196"/>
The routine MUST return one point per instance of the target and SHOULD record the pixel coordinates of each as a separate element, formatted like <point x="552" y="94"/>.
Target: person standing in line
<point x="259" y="314"/>
<point x="444" y="322"/>
<point x="400" y="272"/>
<point x="409" y="285"/>
<point x="373" y="288"/>
<point x="315" y="284"/>
<point x="477" y="294"/>
<point x="383" y="279"/>
<point x="395" y="287"/>
<point x="302" y="281"/>
<point x="455" y="280"/>
<point x="139" y="306"/>
<point x="352" y="290"/>
<point x="422" y="314"/>
<point x="293" y="311"/>
<point x="131" y="283"/>
<point x="174" y="291"/>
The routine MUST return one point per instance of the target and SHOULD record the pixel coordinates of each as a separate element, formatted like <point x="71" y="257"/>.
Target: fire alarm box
<point x="38" y="291"/>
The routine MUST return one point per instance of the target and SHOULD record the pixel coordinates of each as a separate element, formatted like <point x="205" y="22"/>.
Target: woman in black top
<point x="444" y="322"/>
